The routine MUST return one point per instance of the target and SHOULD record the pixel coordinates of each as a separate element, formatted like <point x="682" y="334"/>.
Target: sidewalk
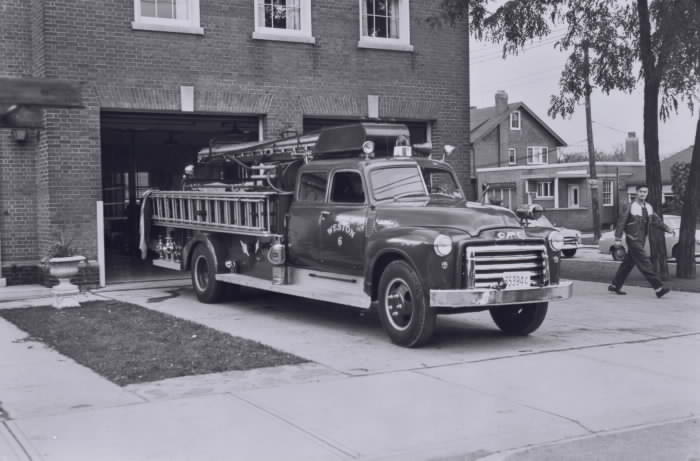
<point x="595" y="366"/>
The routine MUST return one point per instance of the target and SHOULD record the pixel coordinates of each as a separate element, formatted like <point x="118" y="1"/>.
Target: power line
<point x="610" y="127"/>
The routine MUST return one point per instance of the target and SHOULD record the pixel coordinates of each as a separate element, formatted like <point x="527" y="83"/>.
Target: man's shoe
<point x="616" y="290"/>
<point x="662" y="291"/>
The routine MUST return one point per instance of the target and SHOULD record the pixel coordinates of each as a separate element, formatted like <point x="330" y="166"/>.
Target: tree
<point x="599" y="56"/>
<point x="689" y="214"/>
<point x="663" y="36"/>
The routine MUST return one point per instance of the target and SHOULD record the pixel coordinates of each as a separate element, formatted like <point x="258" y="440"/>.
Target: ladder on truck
<point x="240" y="212"/>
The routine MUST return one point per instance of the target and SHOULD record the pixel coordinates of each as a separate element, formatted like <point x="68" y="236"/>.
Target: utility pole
<point x="593" y="181"/>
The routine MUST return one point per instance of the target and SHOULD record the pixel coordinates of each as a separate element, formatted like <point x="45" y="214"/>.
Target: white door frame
<point x="570" y="203"/>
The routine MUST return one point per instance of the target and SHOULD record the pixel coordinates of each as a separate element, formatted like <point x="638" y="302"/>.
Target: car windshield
<point x="397" y="182"/>
<point x="542" y="221"/>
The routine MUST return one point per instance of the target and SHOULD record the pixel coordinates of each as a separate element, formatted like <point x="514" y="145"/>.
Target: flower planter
<point x="63" y="269"/>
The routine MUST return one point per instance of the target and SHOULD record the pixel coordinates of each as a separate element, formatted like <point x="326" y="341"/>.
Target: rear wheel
<point x="404" y="310"/>
<point x="569" y="253"/>
<point x="206" y="287"/>
<point x="519" y="320"/>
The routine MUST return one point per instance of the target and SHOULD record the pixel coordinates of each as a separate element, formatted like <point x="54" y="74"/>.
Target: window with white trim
<point x="515" y="120"/>
<point x="385" y="24"/>
<point x="542" y="189"/>
<point x="284" y="20"/>
<point x="537" y="155"/>
<point x="167" y="16"/>
<point x="512" y="156"/>
<point x="502" y="196"/>
<point x="608" y="194"/>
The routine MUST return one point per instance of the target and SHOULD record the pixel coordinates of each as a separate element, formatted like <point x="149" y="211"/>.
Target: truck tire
<point x="519" y="320"/>
<point x="206" y="287"/>
<point x="569" y="253"/>
<point x="403" y="306"/>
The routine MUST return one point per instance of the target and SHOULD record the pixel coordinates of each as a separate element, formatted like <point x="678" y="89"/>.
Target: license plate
<point x="516" y="279"/>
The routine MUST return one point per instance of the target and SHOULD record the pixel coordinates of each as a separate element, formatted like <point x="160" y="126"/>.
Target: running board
<point x="323" y="286"/>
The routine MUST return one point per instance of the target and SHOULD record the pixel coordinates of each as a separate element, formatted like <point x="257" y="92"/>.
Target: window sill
<point x="390" y="45"/>
<point x="173" y="28"/>
<point x="283" y="37"/>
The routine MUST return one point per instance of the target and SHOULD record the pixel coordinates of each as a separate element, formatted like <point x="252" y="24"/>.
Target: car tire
<point x="618" y="253"/>
<point x="568" y="253"/>
<point x="404" y="310"/>
<point x="204" y="283"/>
<point x="521" y="319"/>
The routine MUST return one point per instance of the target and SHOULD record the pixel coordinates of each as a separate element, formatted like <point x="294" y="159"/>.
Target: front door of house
<point x="574" y="196"/>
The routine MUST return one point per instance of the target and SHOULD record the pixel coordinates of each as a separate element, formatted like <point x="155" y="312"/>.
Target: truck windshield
<point x="396" y="182"/>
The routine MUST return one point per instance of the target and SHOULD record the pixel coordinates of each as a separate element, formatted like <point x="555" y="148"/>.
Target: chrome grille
<point x="570" y="240"/>
<point x="486" y="264"/>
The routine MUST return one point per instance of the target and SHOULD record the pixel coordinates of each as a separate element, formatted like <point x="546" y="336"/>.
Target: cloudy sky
<point x="533" y="76"/>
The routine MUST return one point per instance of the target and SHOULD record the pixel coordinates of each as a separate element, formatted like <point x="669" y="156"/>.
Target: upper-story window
<point x="515" y="120"/>
<point x="385" y="24"/>
<point x="284" y="20"/>
<point x="537" y="155"/>
<point x="167" y="16"/>
<point x="512" y="156"/>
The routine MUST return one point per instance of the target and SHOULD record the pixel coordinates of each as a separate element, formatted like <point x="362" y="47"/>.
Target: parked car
<point x="606" y="245"/>
<point x="572" y="237"/>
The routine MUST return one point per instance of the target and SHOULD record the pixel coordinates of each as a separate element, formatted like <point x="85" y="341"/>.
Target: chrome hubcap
<point x="398" y="303"/>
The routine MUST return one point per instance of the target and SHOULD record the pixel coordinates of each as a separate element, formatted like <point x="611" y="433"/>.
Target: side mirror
<point x="448" y="149"/>
<point x="189" y="170"/>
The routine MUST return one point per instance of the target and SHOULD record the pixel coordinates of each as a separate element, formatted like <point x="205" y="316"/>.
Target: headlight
<point x="442" y="245"/>
<point x="555" y="240"/>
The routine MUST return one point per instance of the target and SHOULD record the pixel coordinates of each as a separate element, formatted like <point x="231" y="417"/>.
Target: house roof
<point x="683" y="156"/>
<point x="484" y="120"/>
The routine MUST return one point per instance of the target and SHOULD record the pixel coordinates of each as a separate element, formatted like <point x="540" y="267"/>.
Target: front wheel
<point x="519" y="320"/>
<point x="403" y="306"/>
<point x="206" y="287"/>
<point x="569" y="253"/>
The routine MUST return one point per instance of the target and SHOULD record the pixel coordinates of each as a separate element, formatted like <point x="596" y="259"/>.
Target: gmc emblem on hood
<point x="510" y="235"/>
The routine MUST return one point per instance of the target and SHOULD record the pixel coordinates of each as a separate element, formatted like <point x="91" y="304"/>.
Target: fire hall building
<point x="160" y="78"/>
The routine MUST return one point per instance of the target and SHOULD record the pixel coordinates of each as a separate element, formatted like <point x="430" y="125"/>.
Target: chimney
<point x="632" y="147"/>
<point x="501" y="101"/>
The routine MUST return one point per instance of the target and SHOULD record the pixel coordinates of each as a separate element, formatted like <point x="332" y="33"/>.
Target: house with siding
<point x="160" y="78"/>
<point x="516" y="154"/>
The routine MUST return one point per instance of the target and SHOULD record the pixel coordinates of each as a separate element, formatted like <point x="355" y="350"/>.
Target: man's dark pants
<point x="636" y="256"/>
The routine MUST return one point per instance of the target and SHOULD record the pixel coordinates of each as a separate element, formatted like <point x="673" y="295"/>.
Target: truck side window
<point x="312" y="187"/>
<point x="347" y="188"/>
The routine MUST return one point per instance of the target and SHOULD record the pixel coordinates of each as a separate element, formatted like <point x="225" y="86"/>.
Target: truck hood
<point x="470" y="217"/>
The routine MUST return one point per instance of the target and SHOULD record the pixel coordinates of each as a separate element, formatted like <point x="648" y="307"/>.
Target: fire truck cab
<point x="355" y="215"/>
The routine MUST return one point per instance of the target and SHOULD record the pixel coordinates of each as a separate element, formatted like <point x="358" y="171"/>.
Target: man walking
<point x="635" y="222"/>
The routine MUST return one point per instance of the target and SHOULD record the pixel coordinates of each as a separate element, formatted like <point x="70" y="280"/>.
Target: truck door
<point x="305" y="218"/>
<point x="343" y="222"/>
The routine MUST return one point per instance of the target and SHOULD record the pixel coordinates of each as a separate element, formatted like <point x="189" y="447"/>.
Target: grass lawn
<point x="129" y="344"/>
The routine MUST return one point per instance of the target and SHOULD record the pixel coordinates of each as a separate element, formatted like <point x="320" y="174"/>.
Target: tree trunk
<point x="657" y="241"/>
<point x="652" y="85"/>
<point x="595" y="203"/>
<point x="686" y="241"/>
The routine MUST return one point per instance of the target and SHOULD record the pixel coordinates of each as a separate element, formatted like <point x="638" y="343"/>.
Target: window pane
<point x="148" y="8"/>
<point x="391" y="182"/>
<point x="347" y="188"/>
<point x="370" y="7"/>
<point x="441" y="182"/>
<point x="313" y="187"/>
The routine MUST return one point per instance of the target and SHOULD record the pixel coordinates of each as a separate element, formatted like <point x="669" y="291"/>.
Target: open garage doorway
<point x="143" y="151"/>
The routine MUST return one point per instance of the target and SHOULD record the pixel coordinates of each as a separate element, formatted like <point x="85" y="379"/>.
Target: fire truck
<point x="359" y="216"/>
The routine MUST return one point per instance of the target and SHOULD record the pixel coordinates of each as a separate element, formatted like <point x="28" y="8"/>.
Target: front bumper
<point x="492" y="297"/>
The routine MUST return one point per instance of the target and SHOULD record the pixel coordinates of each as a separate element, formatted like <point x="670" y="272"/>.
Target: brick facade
<point x="51" y="182"/>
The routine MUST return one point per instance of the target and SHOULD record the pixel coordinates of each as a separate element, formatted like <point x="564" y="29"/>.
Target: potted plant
<point x="64" y="264"/>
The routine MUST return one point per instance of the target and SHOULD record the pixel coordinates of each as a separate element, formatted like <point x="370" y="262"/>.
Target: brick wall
<point x="58" y="178"/>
